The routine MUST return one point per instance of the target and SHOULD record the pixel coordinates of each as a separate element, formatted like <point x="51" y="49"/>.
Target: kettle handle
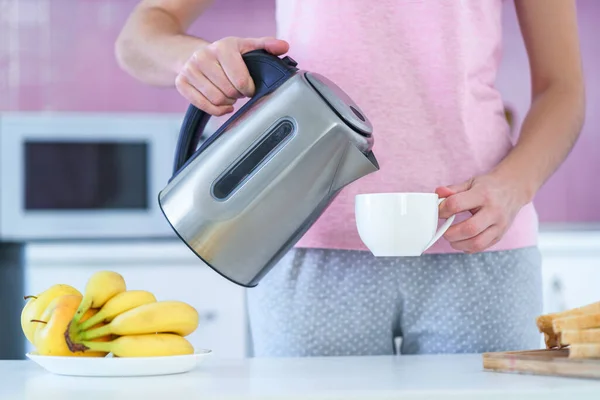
<point x="267" y="71"/>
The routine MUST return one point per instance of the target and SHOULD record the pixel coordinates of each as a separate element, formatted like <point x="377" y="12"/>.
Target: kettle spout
<point x="354" y="165"/>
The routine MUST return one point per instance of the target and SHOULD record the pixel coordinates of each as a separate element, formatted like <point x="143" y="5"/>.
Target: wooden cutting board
<point x="552" y="362"/>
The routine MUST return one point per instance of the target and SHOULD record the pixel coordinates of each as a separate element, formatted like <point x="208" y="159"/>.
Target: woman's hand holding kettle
<point x="215" y="76"/>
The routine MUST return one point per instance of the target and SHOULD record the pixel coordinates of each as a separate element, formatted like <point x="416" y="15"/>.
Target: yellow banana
<point x="148" y="345"/>
<point x="120" y="303"/>
<point x="50" y="328"/>
<point x="37" y="304"/>
<point x="159" y="317"/>
<point x="100" y="287"/>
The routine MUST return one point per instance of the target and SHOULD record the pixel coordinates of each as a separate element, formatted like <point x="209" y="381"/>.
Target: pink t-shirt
<point x="423" y="71"/>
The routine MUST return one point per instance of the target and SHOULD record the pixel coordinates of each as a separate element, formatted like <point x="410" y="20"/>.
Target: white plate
<point x="113" y="366"/>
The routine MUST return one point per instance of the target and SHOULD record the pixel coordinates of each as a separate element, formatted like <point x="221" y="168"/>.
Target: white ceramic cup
<point x="399" y="224"/>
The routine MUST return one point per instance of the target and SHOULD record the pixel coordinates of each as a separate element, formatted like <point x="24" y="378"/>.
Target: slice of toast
<point x="584" y="350"/>
<point x="582" y="336"/>
<point x="544" y="322"/>
<point x="577" y="322"/>
<point x="552" y="340"/>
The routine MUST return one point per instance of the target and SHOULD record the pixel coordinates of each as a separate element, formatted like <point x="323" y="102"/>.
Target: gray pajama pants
<point x="336" y="302"/>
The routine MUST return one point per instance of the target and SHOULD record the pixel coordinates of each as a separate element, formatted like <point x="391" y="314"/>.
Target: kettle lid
<point x="341" y="103"/>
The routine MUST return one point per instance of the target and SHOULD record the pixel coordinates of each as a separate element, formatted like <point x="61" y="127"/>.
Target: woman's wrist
<point x="519" y="174"/>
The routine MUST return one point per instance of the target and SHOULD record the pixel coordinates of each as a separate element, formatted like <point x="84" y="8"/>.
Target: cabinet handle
<point x="557" y="296"/>
<point x="208" y="316"/>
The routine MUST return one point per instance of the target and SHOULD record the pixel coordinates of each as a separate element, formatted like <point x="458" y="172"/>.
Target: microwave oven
<point x="84" y="175"/>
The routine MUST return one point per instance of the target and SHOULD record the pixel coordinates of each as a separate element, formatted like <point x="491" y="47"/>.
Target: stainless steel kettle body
<point x="254" y="187"/>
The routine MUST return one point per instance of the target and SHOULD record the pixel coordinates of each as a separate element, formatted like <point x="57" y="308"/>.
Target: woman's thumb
<point x="272" y="45"/>
<point x="276" y="46"/>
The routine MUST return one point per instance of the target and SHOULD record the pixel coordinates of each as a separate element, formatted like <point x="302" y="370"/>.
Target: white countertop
<point x="401" y="377"/>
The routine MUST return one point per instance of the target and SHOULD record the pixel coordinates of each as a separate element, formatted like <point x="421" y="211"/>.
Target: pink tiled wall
<point x="58" y="55"/>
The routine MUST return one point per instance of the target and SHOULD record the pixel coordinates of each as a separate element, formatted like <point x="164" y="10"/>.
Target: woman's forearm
<point x="555" y="118"/>
<point x="548" y="134"/>
<point x="153" y="46"/>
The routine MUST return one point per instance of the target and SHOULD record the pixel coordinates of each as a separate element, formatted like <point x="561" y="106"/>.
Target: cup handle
<point x="442" y="228"/>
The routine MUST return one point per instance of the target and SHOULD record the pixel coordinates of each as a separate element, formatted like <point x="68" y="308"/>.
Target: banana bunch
<point x="107" y="319"/>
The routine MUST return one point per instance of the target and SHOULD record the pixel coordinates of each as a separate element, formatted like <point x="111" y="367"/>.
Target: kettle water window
<point x="234" y="177"/>
<point x="85" y="175"/>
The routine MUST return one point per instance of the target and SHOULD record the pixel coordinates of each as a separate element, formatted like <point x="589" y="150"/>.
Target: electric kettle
<point x="249" y="192"/>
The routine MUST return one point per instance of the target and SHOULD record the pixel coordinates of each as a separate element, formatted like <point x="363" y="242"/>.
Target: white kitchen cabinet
<point x="170" y="271"/>
<point x="570" y="281"/>
<point x="571" y="263"/>
<point x="571" y="269"/>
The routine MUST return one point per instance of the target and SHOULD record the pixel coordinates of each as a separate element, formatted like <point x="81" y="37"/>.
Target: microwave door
<point x="67" y="176"/>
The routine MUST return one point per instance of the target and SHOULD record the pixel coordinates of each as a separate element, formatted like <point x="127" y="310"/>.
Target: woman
<point x="424" y="73"/>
